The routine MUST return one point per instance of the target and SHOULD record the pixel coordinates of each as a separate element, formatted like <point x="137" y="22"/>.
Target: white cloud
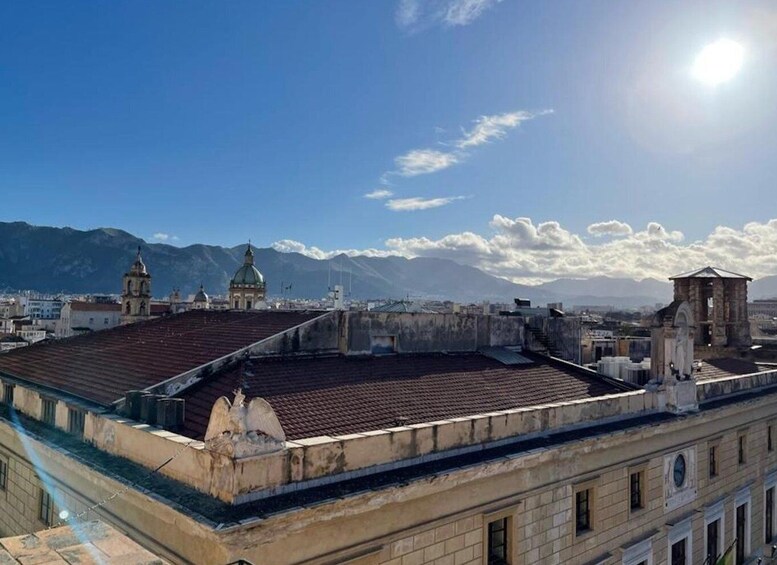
<point x="611" y="227"/>
<point x="464" y="12"/>
<point x="523" y="251"/>
<point x="379" y="194"/>
<point x="159" y="236"/>
<point x="417" y="203"/>
<point x="424" y="161"/>
<point x="292" y="246"/>
<point x="415" y="15"/>
<point x="495" y="127"/>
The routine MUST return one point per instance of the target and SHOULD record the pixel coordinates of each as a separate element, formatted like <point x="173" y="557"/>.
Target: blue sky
<point x="214" y="122"/>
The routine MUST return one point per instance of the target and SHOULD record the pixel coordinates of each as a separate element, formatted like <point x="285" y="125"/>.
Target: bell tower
<point x="136" y="293"/>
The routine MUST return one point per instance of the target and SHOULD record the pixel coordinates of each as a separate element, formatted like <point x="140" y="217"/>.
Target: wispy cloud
<point x="488" y="128"/>
<point x="485" y="130"/>
<point x="416" y="15"/>
<point x="424" y="161"/>
<point x="417" y="203"/>
<point x="159" y="236"/>
<point x="379" y="194"/>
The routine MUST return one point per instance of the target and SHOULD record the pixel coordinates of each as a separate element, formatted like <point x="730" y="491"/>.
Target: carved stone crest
<point x="240" y="430"/>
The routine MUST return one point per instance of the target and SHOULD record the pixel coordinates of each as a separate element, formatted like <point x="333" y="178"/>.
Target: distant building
<point x="80" y="317"/>
<point x="39" y="308"/>
<point x="763" y="309"/>
<point x="201" y="300"/>
<point x="136" y="292"/>
<point x="247" y="287"/>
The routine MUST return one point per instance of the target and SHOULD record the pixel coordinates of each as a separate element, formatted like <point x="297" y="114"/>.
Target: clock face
<point x="679" y="471"/>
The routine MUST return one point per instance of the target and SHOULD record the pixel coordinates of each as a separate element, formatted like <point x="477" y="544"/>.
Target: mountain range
<point x="66" y="260"/>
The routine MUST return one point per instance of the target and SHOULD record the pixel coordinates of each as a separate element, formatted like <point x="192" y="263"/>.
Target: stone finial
<point x="239" y="430"/>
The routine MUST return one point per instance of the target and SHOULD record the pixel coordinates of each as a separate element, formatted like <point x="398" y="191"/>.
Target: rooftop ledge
<point x="317" y="461"/>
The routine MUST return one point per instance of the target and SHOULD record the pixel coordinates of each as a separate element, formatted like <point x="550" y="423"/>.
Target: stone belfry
<point x="718" y="301"/>
<point x="136" y="292"/>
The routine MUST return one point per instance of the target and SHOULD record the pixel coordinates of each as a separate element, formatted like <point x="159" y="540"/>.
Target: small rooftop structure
<point x="718" y="300"/>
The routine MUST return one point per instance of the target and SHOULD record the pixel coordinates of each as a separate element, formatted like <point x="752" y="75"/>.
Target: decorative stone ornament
<point x="672" y="364"/>
<point x="679" y="478"/>
<point x="239" y="430"/>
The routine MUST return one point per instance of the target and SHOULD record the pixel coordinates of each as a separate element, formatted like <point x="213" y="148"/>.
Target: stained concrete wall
<point x="424" y="333"/>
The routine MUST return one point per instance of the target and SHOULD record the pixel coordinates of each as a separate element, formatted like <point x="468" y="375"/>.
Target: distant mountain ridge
<point x="67" y="260"/>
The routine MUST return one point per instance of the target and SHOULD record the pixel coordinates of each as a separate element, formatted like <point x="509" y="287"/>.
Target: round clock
<point x="679" y="471"/>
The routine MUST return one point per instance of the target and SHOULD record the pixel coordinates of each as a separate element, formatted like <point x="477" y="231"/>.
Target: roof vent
<point x="170" y="413"/>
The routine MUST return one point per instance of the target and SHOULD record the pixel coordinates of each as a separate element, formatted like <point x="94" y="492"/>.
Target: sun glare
<point x="718" y="62"/>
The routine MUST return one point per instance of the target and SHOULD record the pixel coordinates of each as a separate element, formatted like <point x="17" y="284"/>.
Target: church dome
<point x="248" y="275"/>
<point x="201" y="296"/>
<point x="138" y="267"/>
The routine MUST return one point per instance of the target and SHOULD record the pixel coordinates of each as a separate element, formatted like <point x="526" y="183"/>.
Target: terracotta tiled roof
<point x="102" y="366"/>
<point x="94" y="307"/>
<point x="727" y="367"/>
<point x="343" y="395"/>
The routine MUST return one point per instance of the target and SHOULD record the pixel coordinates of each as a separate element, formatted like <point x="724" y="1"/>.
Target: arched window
<point x="129" y="286"/>
<point x="237" y="304"/>
<point x="142" y="287"/>
<point x="142" y="309"/>
<point x="128" y="309"/>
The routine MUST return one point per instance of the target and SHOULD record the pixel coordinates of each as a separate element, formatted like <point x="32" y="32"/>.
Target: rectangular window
<point x="583" y="511"/>
<point x="636" y="490"/>
<point x="713" y="459"/>
<point x="75" y="421"/>
<point x="713" y="544"/>
<point x="769" y="515"/>
<point x="741" y="533"/>
<point x="49" y="411"/>
<point x="742" y="449"/>
<point x="497" y="542"/>
<point x="3" y="474"/>
<point x="679" y="554"/>
<point x="46" y="508"/>
<point x="769" y="443"/>
<point x="8" y="394"/>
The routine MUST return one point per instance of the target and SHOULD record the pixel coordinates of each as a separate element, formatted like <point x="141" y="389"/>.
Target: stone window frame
<point x="46" y="511"/>
<point x="642" y="469"/>
<point x="640" y="552"/>
<point x="743" y="497"/>
<point x="682" y="530"/>
<point x="507" y="514"/>
<point x="713" y="444"/>
<point x="742" y="451"/>
<point x="770" y="481"/>
<point x="713" y="512"/>
<point x="770" y="437"/>
<point x="592" y="486"/>
<point x="4" y="471"/>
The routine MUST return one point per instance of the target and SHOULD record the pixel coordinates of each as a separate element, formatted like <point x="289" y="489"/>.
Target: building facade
<point x="381" y="438"/>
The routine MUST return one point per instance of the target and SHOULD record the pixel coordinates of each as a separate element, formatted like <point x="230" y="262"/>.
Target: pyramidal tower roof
<point x="710" y="273"/>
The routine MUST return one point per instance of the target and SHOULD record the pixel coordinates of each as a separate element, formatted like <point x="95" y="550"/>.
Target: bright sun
<point x="718" y="62"/>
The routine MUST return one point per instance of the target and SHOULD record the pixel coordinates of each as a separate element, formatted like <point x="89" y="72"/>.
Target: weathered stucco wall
<point x="422" y="333"/>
